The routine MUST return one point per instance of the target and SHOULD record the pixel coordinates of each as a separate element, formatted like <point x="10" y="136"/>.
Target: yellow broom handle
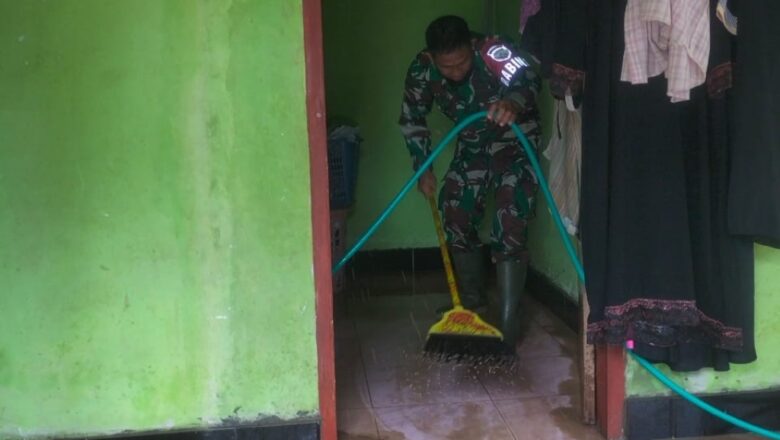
<point x="445" y="254"/>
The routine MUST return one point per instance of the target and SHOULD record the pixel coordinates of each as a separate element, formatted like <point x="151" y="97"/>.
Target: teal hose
<point x="570" y="250"/>
<point x="700" y="403"/>
<point x="550" y="202"/>
<point x="655" y="372"/>
<point x="409" y="184"/>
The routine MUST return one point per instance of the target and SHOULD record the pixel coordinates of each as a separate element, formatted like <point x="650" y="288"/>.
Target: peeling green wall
<point x="762" y="374"/>
<point x="156" y="266"/>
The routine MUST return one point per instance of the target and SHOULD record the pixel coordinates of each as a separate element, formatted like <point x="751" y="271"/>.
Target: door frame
<point x="320" y="215"/>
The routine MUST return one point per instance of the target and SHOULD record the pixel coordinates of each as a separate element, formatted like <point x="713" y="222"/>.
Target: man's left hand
<point x="503" y="112"/>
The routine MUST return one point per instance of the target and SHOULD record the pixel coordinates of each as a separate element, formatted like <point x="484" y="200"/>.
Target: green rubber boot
<point x="511" y="284"/>
<point x="470" y="276"/>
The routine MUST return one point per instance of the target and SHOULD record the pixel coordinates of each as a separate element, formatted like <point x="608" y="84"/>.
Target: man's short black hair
<point x="446" y="34"/>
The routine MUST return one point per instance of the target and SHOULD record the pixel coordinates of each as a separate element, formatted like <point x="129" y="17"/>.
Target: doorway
<point x="384" y="388"/>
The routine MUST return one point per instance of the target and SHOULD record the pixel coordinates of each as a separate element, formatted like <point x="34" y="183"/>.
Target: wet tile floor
<point x="387" y="390"/>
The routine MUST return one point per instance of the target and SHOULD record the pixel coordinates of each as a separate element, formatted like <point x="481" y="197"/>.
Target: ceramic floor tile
<point x="549" y="376"/>
<point x="405" y="283"/>
<point x="566" y="337"/>
<point x="553" y="376"/>
<point x="380" y="364"/>
<point x="430" y="282"/>
<point x="401" y="329"/>
<point x="347" y="353"/>
<point x="389" y="283"/>
<point x="363" y="305"/>
<point x="506" y="382"/>
<point x="391" y="355"/>
<point x="458" y="421"/>
<point x="424" y="322"/>
<point x="344" y="329"/>
<point x="401" y="282"/>
<point x="340" y="308"/>
<point x="392" y="306"/>
<point x="536" y="342"/>
<point x="390" y="343"/>
<point x="384" y="336"/>
<point x="426" y="304"/>
<point x="421" y="381"/>
<point x="544" y="317"/>
<point x="548" y="418"/>
<point x="352" y="388"/>
<point x="358" y="424"/>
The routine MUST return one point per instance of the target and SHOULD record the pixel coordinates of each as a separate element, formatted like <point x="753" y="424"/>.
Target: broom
<point x="461" y="335"/>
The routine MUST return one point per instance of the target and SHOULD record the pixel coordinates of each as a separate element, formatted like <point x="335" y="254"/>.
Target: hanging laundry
<point x="661" y="266"/>
<point x="725" y="16"/>
<point x="670" y="37"/>
<point x="563" y="151"/>
<point x="555" y="37"/>
<point x="754" y="194"/>
<point x="528" y="9"/>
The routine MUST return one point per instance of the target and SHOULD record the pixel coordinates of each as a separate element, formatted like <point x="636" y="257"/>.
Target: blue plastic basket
<point x="342" y="171"/>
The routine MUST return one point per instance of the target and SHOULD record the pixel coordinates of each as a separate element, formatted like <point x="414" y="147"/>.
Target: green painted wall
<point x="762" y="374"/>
<point x="548" y="254"/>
<point x="368" y="47"/>
<point x="156" y="266"/>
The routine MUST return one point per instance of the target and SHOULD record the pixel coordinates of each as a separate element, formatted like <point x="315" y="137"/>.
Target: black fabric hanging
<point x="556" y="37"/>
<point x="722" y="263"/>
<point x="661" y="267"/>
<point x="754" y="194"/>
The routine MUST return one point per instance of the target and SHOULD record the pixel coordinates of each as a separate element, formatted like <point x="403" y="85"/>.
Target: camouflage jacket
<point x="497" y="73"/>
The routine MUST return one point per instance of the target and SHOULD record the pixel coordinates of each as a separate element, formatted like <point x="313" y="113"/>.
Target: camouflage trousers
<point x="502" y="167"/>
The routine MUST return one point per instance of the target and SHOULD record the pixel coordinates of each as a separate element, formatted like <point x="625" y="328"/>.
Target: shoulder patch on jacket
<point x="501" y="61"/>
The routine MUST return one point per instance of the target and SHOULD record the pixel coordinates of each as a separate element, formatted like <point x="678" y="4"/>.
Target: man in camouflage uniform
<point x="465" y="73"/>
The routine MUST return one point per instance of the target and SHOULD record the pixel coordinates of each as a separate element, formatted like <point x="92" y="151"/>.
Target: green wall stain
<point x="154" y="202"/>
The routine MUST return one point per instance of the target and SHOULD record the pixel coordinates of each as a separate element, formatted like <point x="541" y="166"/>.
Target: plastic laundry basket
<point x="342" y="170"/>
<point x="338" y="241"/>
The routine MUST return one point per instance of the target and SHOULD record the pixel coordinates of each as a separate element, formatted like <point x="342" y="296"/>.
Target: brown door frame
<point x="320" y="213"/>
<point x="610" y="390"/>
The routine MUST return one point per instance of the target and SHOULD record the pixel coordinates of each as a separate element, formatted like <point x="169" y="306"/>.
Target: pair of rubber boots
<point x="511" y="275"/>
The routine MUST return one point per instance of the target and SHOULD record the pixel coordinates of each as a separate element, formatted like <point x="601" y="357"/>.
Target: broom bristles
<point x="462" y="336"/>
<point x="465" y="349"/>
